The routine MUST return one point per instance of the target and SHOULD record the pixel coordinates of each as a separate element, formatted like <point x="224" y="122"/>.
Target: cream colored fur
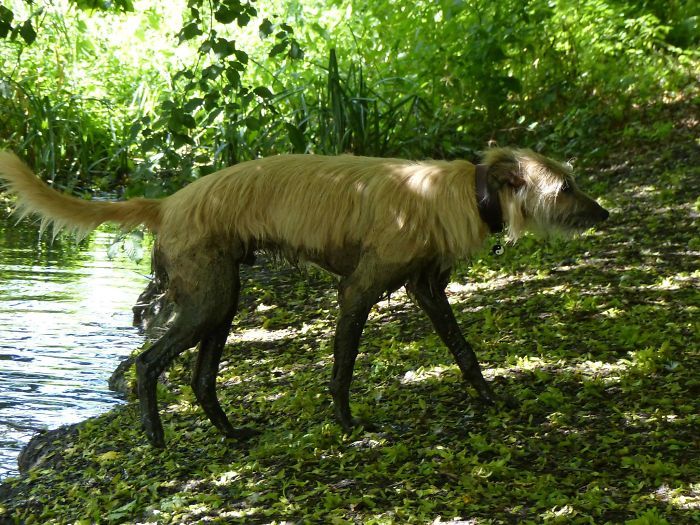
<point x="531" y="205"/>
<point x="400" y="209"/>
<point x="64" y="211"/>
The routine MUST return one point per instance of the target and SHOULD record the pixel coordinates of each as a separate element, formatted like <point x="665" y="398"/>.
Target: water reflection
<point x="65" y="321"/>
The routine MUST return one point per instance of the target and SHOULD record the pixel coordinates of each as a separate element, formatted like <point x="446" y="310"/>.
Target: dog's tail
<point x="64" y="211"/>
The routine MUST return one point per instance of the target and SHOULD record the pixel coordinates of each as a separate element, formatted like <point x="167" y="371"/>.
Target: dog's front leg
<point x="351" y="322"/>
<point x="357" y="294"/>
<point x="428" y="288"/>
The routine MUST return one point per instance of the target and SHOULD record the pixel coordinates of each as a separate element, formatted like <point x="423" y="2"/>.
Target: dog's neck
<point x="487" y="200"/>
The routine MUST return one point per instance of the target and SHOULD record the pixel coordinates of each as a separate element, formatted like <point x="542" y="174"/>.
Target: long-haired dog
<point x="377" y="223"/>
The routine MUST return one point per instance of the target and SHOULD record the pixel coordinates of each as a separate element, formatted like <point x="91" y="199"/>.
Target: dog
<point x="377" y="223"/>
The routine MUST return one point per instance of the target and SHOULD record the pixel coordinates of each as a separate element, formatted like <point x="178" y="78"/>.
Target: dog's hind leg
<point x="207" y="368"/>
<point x="428" y="288"/>
<point x="150" y="364"/>
<point x="203" y="283"/>
<point x="204" y="377"/>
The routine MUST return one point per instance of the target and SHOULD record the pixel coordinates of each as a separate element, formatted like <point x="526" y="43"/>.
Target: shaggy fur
<point x="378" y="223"/>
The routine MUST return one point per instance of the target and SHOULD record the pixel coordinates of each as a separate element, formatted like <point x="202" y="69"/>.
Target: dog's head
<point x="539" y="194"/>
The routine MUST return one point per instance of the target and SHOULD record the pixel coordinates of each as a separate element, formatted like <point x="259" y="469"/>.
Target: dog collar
<point x="487" y="201"/>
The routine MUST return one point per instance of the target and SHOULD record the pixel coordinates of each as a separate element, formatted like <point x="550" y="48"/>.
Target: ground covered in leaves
<point x="596" y="339"/>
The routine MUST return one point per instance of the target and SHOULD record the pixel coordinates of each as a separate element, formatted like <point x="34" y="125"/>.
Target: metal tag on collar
<point x="498" y="249"/>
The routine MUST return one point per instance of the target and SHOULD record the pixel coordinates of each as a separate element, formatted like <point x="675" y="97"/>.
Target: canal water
<point x="65" y="324"/>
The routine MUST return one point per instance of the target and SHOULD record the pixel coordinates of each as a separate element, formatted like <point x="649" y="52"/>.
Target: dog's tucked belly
<point x="340" y="261"/>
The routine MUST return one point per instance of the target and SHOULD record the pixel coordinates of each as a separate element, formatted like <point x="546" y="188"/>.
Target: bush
<point x="205" y="85"/>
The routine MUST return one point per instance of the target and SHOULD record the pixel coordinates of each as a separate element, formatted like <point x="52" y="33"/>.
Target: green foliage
<point x="11" y="28"/>
<point x="104" y="5"/>
<point x="54" y="107"/>
<point x="212" y="112"/>
<point x="591" y="339"/>
<point x="208" y="84"/>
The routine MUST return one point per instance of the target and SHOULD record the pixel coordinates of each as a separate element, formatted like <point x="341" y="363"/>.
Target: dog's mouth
<point x="570" y="225"/>
<point x="583" y="224"/>
<point x="580" y="222"/>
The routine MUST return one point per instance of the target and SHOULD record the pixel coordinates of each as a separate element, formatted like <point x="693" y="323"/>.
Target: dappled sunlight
<point x="423" y="374"/>
<point x="608" y="372"/>
<point x="492" y="281"/>
<point x="587" y="343"/>
<point x="685" y="497"/>
<point x="251" y="335"/>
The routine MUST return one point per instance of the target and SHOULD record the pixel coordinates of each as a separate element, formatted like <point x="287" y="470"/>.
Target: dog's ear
<point x="507" y="174"/>
<point x="505" y="167"/>
<point x="514" y="179"/>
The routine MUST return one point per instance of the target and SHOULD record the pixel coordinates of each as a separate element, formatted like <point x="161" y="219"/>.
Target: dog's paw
<point x="508" y="402"/>
<point x="242" y="433"/>
<point x="155" y="436"/>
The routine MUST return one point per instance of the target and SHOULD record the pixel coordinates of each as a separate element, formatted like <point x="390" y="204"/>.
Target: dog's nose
<point x="604" y="214"/>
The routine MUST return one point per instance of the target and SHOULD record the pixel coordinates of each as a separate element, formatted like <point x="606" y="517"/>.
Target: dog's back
<point x="316" y="203"/>
<point x="313" y="203"/>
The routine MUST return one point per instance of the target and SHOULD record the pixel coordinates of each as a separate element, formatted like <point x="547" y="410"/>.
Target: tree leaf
<point x="241" y="56"/>
<point x="265" y="28"/>
<point x="233" y="76"/>
<point x="296" y="137"/>
<point x="188" y="121"/>
<point x="27" y="32"/>
<point x="225" y="15"/>
<point x="279" y="48"/>
<point x="223" y="47"/>
<point x="188" y="32"/>
<point x="192" y="104"/>
<point x="6" y="17"/>
<point x="180" y="139"/>
<point x="212" y="72"/>
<point x="5" y="28"/>
<point x="263" y="92"/>
<point x="295" y="51"/>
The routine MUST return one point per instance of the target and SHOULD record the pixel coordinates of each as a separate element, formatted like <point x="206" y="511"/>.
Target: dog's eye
<point x="567" y="187"/>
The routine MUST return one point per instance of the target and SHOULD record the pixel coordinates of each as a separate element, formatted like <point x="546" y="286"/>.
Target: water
<point x="65" y="323"/>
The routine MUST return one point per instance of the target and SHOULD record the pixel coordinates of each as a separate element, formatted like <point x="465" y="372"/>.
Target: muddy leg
<point x="207" y="368"/>
<point x="351" y="321"/>
<point x="204" y="377"/>
<point x="150" y="364"/>
<point x="356" y="295"/>
<point x="203" y="282"/>
<point x="429" y="290"/>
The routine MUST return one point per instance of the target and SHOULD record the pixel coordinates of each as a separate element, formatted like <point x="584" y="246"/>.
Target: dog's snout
<point x="603" y="214"/>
